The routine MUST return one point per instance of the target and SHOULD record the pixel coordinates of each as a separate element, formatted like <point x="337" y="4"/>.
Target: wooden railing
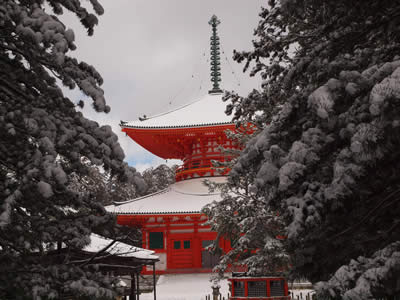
<point x="199" y="168"/>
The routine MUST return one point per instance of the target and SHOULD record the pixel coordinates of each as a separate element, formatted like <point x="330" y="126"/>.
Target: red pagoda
<point x="171" y="220"/>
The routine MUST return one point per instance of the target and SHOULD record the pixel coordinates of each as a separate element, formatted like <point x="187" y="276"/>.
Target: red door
<point x="180" y="253"/>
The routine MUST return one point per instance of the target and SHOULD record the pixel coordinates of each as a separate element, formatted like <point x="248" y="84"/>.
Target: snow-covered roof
<point x="187" y="196"/>
<point x="98" y="243"/>
<point x="209" y="110"/>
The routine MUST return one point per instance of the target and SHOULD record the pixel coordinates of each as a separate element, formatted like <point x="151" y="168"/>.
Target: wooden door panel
<point x="180" y="258"/>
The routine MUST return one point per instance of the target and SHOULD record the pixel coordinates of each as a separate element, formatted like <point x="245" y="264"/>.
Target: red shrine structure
<point x="171" y="220"/>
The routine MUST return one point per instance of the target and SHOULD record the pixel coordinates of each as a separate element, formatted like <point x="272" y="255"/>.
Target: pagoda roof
<point x="183" y="197"/>
<point x="206" y="111"/>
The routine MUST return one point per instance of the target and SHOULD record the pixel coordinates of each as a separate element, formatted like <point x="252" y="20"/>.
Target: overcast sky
<point x="153" y="56"/>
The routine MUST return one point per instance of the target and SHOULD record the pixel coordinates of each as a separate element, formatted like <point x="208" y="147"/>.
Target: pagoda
<point x="171" y="220"/>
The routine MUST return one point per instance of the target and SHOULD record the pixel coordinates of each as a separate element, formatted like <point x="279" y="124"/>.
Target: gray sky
<point x="151" y="56"/>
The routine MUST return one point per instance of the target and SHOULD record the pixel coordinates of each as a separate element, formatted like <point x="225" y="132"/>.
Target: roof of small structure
<point x="183" y="197"/>
<point x="98" y="243"/>
<point x="206" y="111"/>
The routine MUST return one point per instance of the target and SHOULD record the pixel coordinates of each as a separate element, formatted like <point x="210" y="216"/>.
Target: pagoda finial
<point x="215" y="58"/>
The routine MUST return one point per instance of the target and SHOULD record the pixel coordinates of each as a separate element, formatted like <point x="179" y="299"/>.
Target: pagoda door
<point x="180" y="253"/>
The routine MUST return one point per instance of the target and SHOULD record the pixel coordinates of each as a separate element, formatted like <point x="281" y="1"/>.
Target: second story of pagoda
<point x="192" y="133"/>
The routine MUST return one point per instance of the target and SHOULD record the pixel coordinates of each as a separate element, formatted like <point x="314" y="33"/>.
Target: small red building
<point x="171" y="220"/>
<point x="260" y="288"/>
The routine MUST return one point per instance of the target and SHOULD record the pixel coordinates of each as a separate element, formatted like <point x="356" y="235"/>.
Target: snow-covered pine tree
<point x="42" y="142"/>
<point x="104" y="188"/>
<point x="159" y="178"/>
<point x="242" y="207"/>
<point x="328" y="162"/>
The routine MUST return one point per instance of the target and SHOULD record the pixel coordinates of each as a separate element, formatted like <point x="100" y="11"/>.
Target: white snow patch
<point x="388" y="89"/>
<point x="207" y="110"/>
<point x="322" y="100"/>
<point x="45" y="189"/>
<point x="98" y="243"/>
<point x="185" y="287"/>
<point x="193" y="287"/>
<point x="183" y="196"/>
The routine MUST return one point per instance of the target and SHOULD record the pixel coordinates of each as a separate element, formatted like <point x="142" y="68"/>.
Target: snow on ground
<point x="185" y="287"/>
<point x="194" y="287"/>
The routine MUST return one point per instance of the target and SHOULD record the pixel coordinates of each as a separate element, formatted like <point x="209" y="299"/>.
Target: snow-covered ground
<point x="185" y="287"/>
<point x="191" y="287"/>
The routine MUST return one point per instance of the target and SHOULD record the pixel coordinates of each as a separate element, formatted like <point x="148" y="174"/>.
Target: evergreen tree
<point x="159" y="178"/>
<point x="104" y="188"/>
<point x="326" y="160"/>
<point x="43" y="141"/>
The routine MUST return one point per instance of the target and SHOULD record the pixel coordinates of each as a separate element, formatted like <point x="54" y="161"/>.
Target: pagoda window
<point x="186" y="244"/>
<point x="156" y="240"/>
<point x="177" y="244"/>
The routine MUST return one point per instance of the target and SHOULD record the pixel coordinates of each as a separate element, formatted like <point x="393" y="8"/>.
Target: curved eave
<point x="168" y="142"/>
<point x="150" y="213"/>
<point x="124" y="125"/>
<point x="205" y="111"/>
<point x="180" y="198"/>
<point x="118" y="203"/>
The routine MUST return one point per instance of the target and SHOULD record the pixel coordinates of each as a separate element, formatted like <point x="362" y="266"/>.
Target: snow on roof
<point x="209" y="110"/>
<point x="187" y="196"/>
<point x="98" y="243"/>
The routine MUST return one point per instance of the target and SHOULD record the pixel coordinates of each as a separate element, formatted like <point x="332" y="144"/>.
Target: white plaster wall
<point x="162" y="264"/>
<point x="182" y="230"/>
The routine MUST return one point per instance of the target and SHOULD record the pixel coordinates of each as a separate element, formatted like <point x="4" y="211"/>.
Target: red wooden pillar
<point x="196" y="245"/>
<point x="246" y="289"/>
<point x="268" y="288"/>
<point x="286" y="288"/>
<point x="144" y="243"/>
<point x="167" y="245"/>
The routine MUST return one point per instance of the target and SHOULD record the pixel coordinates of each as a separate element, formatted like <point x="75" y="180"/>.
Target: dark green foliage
<point x="159" y="178"/>
<point x="327" y="158"/>
<point x="106" y="189"/>
<point x="44" y="143"/>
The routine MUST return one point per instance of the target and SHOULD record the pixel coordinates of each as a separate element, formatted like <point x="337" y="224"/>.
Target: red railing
<point x="199" y="168"/>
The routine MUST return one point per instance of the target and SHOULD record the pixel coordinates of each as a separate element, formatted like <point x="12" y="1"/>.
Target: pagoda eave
<point x="173" y="142"/>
